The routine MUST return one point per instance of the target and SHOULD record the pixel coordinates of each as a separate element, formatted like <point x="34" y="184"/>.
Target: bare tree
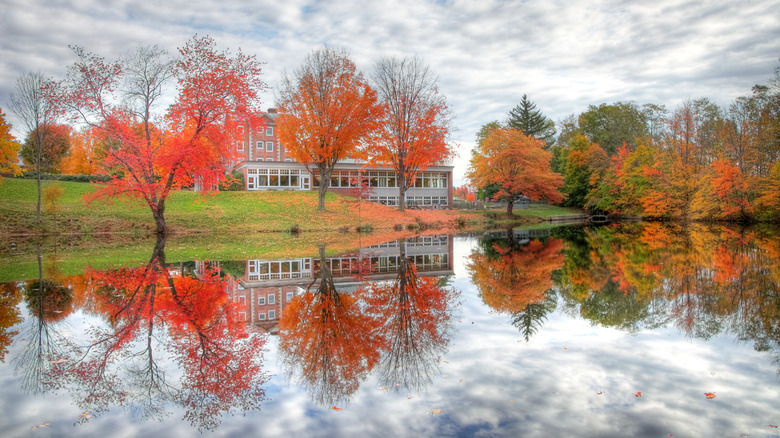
<point x="34" y="104"/>
<point x="415" y="122"/>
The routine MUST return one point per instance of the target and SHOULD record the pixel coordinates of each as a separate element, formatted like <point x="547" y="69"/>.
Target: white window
<point x="269" y="131"/>
<point x="261" y="316"/>
<point x="261" y="301"/>
<point x="269" y="146"/>
<point x="269" y="159"/>
<point x="240" y="145"/>
<point x="242" y="299"/>
<point x="271" y="298"/>
<point x="259" y="145"/>
<point x="289" y="296"/>
<point x="272" y="314"/>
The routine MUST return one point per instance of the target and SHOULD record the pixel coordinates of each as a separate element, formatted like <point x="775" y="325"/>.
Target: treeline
<point x="698" y="161"/>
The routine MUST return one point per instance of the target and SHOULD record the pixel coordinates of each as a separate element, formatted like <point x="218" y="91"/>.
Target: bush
<point x="234" y="182"/>
<point x="69" y="178"/>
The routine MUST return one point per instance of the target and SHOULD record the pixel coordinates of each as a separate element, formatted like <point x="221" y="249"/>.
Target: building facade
<point x="266" y="166"/>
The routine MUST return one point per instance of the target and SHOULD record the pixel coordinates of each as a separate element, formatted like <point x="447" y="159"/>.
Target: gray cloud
<point x="564" y="55"/>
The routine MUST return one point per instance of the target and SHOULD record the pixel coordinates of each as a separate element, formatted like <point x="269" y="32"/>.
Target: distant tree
<point x="34" y="103"/>
<point x="518" y="164"/>
<point x="9" y="149"/>
<point x="56" y="146"/>
<point x="611" y="126"/>
<point x="87" y="150"/>
<point x="415" y="121"/>
<point x="526" y="118"/>
<point x="326" y="110"/>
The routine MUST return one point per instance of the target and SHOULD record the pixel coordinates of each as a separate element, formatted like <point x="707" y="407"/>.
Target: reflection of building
<point x="266" y="166"/>
<point x="269" y="285"/>
<point x="522" y="236"/>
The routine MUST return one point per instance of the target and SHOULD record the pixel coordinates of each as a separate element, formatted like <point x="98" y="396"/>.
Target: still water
<point x="643" y="330"/>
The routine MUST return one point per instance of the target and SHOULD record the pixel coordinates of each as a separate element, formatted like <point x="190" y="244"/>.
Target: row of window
<point x="426" y="201"/>
<point x="351" y="178"/>
<point x="269" y="130"/>
<point x="282" y="178"/>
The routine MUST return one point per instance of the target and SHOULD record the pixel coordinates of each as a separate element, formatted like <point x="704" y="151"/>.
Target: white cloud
<point x="564" y="55"/>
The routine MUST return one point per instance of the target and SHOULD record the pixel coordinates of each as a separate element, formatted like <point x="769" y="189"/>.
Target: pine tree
<point x="525" y="117"/>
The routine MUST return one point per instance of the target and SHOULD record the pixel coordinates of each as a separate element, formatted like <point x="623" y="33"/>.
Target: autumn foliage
<point x="326" y="111"/>
<point x="192" y="143"/>
<point x="518" y="165"/>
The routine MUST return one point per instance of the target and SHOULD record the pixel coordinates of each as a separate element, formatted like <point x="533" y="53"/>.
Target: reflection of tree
<point x="530" y="319"/>
<point x="415" y="312"/>
<point x="703" y="279"/>
<point x="510" y="276"/>
<point x="328" y="342"/>
<point x="9" y="316"/>
<point x="156" y="319"/>
<point x="47" y="301"/>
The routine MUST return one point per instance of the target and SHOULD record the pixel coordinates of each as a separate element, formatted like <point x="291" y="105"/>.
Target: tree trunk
<point x="509" y="205"/>
<point x="402" y="194"/>
<point x="322" y="192"/>
<point x="159" y="218"/>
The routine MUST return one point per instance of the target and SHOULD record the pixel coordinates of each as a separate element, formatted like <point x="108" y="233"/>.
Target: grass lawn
<point x="235" y="213"/>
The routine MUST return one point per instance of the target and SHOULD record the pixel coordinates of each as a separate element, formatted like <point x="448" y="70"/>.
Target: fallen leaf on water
<point x="771" y="425"/>
<point x="600" y="392"/>
<point x="58" y="361"/>
<point x="638" y="394"/>
<point x="437" y="411"/>
<point x="461" y="381"/>
<point x="335" y="408"/>
<point x="41" y="425"/>
<point x="86" y="415"/>
<point x="709" y="395"/>
<point x="564" y="348"/>
<point x="382" y="388"/>
<point x="446" y="361"/>
<point x="744" y="435"/>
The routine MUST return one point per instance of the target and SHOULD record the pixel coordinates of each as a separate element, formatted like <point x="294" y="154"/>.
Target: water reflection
<point x="513" y="271"/>
<point x="332" y="340"/>
<point x="168" y="339"/>
<point x="48" y="302"/>
<point x="703" y="280"/>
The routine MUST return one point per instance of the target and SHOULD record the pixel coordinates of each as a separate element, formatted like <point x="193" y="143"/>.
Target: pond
<point x="641" y="329"/>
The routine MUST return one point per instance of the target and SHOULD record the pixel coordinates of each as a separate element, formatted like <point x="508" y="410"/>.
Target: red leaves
<point x="637" y="394"/>
<point x="709" y="395"/>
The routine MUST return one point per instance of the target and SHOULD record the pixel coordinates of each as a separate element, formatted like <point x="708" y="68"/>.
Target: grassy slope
<point x="225" y="212"/>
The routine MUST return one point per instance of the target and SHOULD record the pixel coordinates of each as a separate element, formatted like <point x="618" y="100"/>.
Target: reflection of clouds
<point x="511" y="388"/>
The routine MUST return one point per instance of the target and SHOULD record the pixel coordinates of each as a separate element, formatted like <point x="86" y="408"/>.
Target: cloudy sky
<point x="565" y="55"/>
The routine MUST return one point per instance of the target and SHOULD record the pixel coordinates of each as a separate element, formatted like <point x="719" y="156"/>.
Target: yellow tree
<point x="9" y="149"/>
<point x="326" y="110"/>
<point x="516" y="163"/>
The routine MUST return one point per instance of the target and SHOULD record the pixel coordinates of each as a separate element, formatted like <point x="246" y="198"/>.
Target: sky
<point x="565" y="55"/>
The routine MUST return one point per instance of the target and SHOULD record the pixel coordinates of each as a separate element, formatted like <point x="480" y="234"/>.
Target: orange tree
<point x="518" y="165"/>
<point x="193" y="142"/>
<point x="326" y="110"/>
<point x="415" y="122"/>
<point x="9" y="148"/>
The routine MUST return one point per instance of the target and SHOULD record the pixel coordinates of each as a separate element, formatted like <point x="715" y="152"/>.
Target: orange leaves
<point x="709" y="395"/>
<point x="518" y="275"/>
<point x="518" y="164"/>
<point x="326" y="110"/>
<point x="637" y="394"/>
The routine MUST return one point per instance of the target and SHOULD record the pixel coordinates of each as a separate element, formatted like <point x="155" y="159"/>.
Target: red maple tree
<point x="192" y="143"/>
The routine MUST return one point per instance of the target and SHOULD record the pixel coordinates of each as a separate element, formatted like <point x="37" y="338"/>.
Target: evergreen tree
<point x="525" y="117"/>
